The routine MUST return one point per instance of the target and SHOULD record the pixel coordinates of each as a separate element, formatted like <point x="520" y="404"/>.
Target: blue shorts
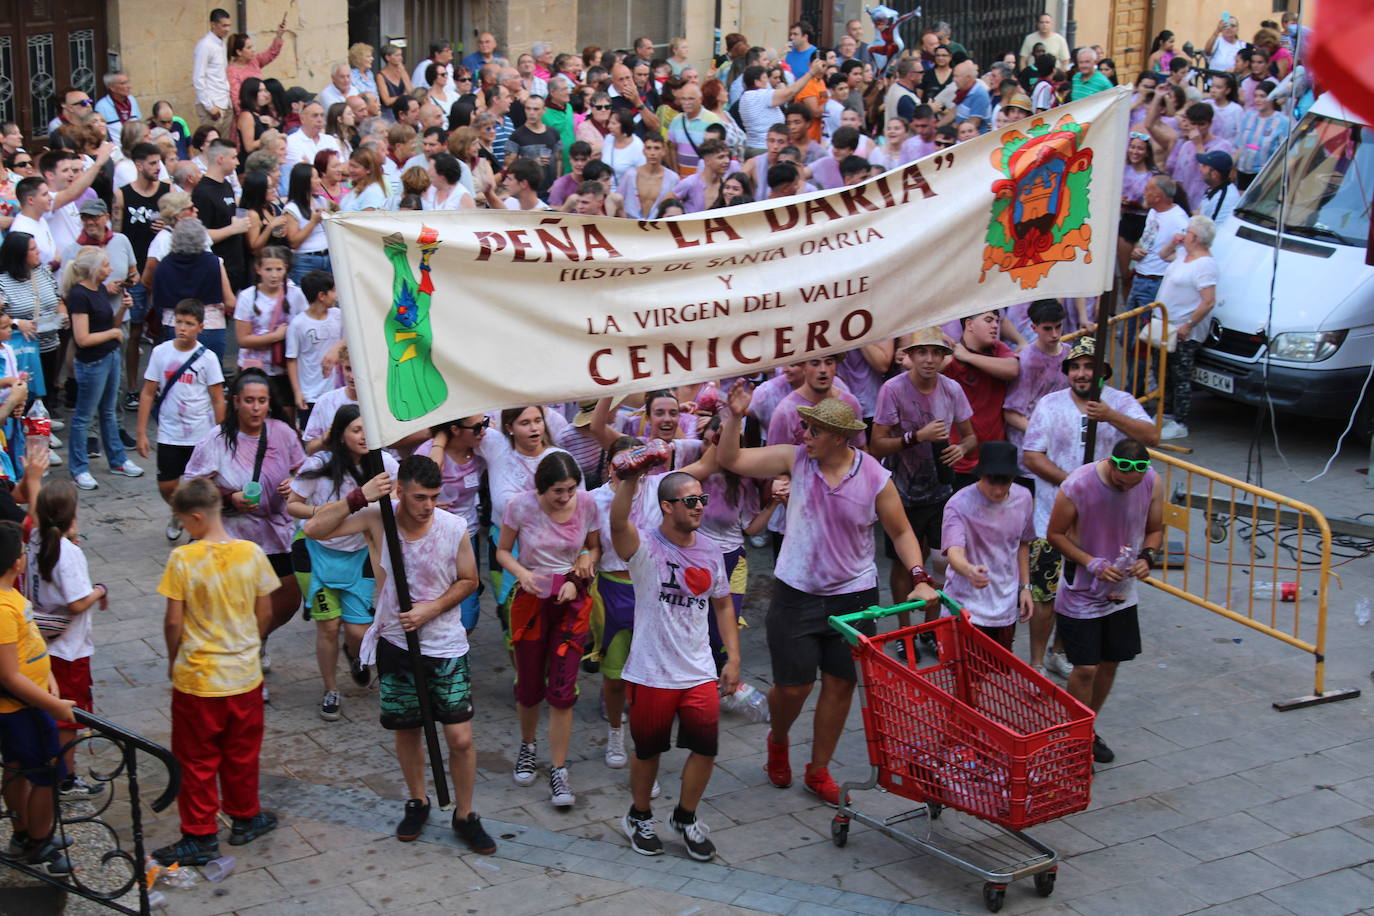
<point x="29" y="745"/>
<point x="139" y="293"/>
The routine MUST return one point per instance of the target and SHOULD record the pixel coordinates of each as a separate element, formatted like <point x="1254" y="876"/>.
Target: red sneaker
<point x="819" y="783"/>
<point x="779" y="766"/>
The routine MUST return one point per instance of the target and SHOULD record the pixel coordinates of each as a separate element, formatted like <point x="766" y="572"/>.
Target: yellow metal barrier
<point x="1148" y="348"/>
<point x="1243" y="549"/>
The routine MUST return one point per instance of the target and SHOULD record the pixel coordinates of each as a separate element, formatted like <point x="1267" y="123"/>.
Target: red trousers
<point x="216" y="738"/>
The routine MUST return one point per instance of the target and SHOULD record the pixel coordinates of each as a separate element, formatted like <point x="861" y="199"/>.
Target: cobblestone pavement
<point x="1215" y="802"/>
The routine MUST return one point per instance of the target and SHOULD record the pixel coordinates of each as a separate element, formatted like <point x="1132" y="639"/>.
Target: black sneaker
<point x="361" y="674"/>
<point x="248" y="829"/>
<point x="131" y="401"/>
<point x="1102" y="753"/>
<point x="470" y="830"/>
<point x="694" y="836"/>
<point x="417" y="813"/>
<point x="74" y="788"/>
<point x="329" y="706"/>
<point x="92" y="447"/>
<point x="640" y="831"/>
<point x="189" y="850"/>
<point x="49" y="857"/>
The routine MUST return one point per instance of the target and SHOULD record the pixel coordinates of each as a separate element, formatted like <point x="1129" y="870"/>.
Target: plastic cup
<point x="217" y="870"/>
<point x="252" y="492"/>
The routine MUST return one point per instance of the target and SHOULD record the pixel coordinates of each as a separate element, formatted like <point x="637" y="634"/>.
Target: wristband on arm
<point x="1097" y="565"/>
<point x="357" y="499"/>
<point x="919" y="576"/>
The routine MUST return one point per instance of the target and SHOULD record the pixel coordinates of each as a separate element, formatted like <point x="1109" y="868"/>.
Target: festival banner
<point x="454" y="313"/>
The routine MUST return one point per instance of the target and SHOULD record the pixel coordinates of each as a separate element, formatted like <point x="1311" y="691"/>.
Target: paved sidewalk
<point x="1216" y="803"/>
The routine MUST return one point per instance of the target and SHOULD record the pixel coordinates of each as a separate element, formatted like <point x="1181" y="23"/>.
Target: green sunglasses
<point x="1125" y="465"/>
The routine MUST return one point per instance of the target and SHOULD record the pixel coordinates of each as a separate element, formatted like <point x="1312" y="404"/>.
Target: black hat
<point x="997" y="459"/>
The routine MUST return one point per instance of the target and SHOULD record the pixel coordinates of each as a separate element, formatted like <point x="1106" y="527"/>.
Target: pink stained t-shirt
<point x="461" y="485"/>
<point x="829" y="545"/>
<point x="990" y="534"/>
<point x="431" y="565"/>
<point x="674" y="588"/>
<point x="547" y="546"/>
<point x="269" y="526"/>
<point x="1108" y="520"/>
<point x="906" y="408"/>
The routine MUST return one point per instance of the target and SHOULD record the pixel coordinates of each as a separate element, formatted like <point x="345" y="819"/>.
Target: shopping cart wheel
<point x="1044" y="883"/>
<point x="993" y="896"/>
<point x="839" y="831"/>
<point x="933" y="810"/>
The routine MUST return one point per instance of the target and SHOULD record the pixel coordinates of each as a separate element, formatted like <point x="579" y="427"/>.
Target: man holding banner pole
<point x="428" y="679"/>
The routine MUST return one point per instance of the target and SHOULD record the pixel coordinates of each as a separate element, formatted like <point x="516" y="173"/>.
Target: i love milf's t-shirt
<point x="674" y="586"/>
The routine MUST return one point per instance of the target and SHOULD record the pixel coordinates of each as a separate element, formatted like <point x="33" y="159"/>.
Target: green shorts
<point x="449" y="688"/>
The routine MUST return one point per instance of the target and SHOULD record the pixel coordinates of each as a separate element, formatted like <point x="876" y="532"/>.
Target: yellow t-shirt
<point x="17" y="626"/>
<point x="220" y="584"/>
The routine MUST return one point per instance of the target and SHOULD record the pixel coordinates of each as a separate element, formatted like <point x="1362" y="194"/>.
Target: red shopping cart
<point x="976" y="730"/>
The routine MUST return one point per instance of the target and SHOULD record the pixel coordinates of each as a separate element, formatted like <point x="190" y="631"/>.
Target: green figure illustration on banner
<point x="414" y="386"/>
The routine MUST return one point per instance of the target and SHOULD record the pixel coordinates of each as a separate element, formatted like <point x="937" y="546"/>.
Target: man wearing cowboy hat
<point x="987" y="532"/>
<point x="1053" y="448"/>
<point x="826" y="566"/>
<point x="915" y="414"/>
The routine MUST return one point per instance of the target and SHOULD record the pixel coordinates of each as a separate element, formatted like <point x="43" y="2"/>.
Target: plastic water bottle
<point x="748" y="701"/>
<point x="38" y="422"/>
<point x="1287" y="591"/>
<point x="1362" y="611"/>
<point x="1125" y="559"/>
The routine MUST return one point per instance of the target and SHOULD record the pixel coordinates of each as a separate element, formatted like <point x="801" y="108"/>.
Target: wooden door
<point x="46" y="46"/>
<point x="1129" y="41"/>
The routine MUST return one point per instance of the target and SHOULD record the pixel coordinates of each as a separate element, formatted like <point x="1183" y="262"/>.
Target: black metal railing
<point x="106" y="869"/>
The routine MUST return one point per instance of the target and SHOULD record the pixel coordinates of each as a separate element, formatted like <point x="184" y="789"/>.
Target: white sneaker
<point x="615" y="748"/>
<point x="84" y="481"/>
<point x="560" y="792"/>
<point x="1057" y="663"/>
<point x="57" y="426"/>
<point x="55" y="460"/>
<point x="173" y="529"/>
<point x="265" y="659"/>
<point x="1173" y="429"/>
<point x="54" y="442"/>
<point x="656" y="791"/>
<point x="128" y="469"/>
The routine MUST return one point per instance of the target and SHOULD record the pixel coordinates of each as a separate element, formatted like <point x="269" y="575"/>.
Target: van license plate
<point x="1217" y="381"/>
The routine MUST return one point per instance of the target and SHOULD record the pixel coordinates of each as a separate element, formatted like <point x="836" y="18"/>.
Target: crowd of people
<point x="612" y="530"/>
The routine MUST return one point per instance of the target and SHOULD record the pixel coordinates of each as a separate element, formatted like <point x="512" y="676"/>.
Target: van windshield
<point x="1330" y="183"/>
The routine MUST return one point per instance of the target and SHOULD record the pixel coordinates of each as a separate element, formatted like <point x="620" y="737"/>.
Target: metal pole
<point x="373" y="463"/>
<point x="1106" y="308"/>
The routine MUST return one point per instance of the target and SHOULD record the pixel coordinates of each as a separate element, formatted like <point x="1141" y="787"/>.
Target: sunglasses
<point x="23" y="165"/>
<point x="601" y="107"/>
<point x="691" y="502"/>
<point x="84" y="103"/>
<point x="477" y="427"/>
<point x="942" y="144"/>
<point x="1126" y="465"/>
<point x="462" y="79"/>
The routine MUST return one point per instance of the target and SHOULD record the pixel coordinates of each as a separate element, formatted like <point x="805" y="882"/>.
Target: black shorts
<point x="801" y="640"/>
<point x="925" y="521"/>
<point x="172" y="461"/>
<point x="446" y="680"/>
<point x="1132" y="226"/>
<point x="281" y="564"/>
<point x="1113" y="638"/>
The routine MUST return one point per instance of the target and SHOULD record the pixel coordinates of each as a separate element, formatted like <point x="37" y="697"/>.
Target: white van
<point x="1317" y="345"/>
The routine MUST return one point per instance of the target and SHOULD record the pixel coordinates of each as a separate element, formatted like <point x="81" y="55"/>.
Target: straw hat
<point x="926" y="337"/>
<point x="1084" y="346"/>
<point x="1019" y="100"/>
<point x="835" y="415"/>
<point x="585" y="409"/>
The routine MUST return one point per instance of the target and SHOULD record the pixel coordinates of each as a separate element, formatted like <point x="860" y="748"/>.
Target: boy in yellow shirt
<point x="29" y="704"/>
<point x="218" y="609"/>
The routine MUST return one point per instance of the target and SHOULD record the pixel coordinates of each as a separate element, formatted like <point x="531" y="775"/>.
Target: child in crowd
<point x="986" y="535"/>
<point x="218" y="609"/>
<point x="261" y="318"/>
<point x="310" y="335"/>
<point x="183" y="390"/>
<point x="29" y="704"/>
<point x="59" y="585"/>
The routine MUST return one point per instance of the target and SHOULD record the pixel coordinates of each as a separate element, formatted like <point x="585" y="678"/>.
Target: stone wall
<point x="156" y="42"/>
